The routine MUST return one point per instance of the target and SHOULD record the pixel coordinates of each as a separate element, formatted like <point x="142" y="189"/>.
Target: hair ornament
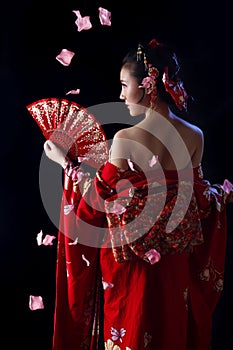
<point x="149" y="83"/>
<point x="154" y="43"/>
<point x="139" y="53"/>
<point x="176" y="89"/>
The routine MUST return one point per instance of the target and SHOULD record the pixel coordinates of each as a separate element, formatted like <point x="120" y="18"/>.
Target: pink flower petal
<point x="39" y="237"/>
<point x="65" y="57"/>
<point x="35" y="302"/>
<point x="107" y="285"/>
<point x="104" y="16"/>
<point x="68" y="208"/>
<point x="153" y="256"/>
<point x="131" y="165"/>
<point x="48" y="240"/>
<point x="74" y="242"/>
<point x="87" y="261"/>
<point x="73" y="92"/>
<point x="153" y="161"/>
<point x="83" y="23"/>
<point x="227" y="186"/>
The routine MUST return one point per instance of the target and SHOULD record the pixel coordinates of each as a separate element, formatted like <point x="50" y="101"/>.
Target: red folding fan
<point x="71" y="127"/>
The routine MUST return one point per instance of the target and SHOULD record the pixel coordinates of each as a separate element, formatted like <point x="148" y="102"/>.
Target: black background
<point x="32" y="34"/>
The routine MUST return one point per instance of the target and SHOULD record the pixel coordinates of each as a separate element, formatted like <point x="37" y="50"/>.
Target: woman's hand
<point x="54" y="153"/>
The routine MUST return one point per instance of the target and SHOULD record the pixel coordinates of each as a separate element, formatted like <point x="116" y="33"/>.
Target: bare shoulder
<point x="193" y="137"/>
<point x="189" y="129"/>
<point x="125" y="133"/>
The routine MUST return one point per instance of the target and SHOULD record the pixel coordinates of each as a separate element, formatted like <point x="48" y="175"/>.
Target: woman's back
<point x="175" y="142"/>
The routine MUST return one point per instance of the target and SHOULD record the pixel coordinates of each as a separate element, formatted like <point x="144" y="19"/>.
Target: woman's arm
<point x="120" y="153"/>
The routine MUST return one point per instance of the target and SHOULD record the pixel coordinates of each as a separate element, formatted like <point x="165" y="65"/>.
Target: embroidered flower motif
<point x="109" y="345"/>
<point x="219" y="285"/>
<point x="117" y="335"/>
<point x="117" y="208"/>
<point x="205" y="275"/>
<point x="147" y="339"/>
<point x="131" y="192"/>
<point x="186" y="291"/>
<point x="211" y="274"/>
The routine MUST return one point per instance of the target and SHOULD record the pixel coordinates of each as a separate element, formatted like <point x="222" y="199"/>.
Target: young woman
<point x="157" y="249"/>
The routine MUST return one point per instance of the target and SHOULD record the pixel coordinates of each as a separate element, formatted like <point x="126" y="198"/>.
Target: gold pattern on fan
<point x="72" y="128"/>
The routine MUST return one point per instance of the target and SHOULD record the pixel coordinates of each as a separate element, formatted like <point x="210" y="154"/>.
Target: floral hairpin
<point x="149" y="83"/>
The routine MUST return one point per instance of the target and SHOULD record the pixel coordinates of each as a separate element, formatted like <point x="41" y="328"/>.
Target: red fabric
<point x="168" y="305"/>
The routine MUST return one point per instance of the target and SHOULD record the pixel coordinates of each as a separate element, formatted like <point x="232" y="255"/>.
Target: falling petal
<point x="39" y="237"/>
<point x="65" y="57"/>
<point x="74" y="242"/>
<point x="68" y="208"/>
<point x="87" y="261"/>
<point x="35" y="302"/>
<point x="153" y="161"/>
<point x="83" y="23"/>
<point x="153" y="256"/>
<point x="48" y="240"/>
<point x="107" y="285"/>
<point x="131" y="165"/>
<point x="73" y="92"/>
<point x="104" y="16"/>
<point x="227" y="186"/>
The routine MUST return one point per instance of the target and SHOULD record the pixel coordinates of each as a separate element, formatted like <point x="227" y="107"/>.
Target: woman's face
<point x="135" y="98"/>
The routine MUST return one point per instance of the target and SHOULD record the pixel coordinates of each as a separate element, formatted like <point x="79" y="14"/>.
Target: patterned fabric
<point x="143" y="303"/>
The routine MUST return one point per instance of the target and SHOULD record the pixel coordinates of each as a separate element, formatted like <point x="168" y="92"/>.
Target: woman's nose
<point x="122" y="97"/>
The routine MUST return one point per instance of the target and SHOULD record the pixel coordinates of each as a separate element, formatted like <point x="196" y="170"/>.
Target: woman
<point x="159" y="237"/>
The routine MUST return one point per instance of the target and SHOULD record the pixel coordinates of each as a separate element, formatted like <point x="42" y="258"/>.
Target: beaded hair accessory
<point x="149" y="82"/>
<point x="173" y="86"/>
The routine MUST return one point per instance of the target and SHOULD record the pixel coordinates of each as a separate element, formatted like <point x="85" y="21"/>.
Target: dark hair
<point x="160" y="56"/>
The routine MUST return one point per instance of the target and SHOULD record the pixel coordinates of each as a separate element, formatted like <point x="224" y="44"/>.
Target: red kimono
<point x="113" y="231"/>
